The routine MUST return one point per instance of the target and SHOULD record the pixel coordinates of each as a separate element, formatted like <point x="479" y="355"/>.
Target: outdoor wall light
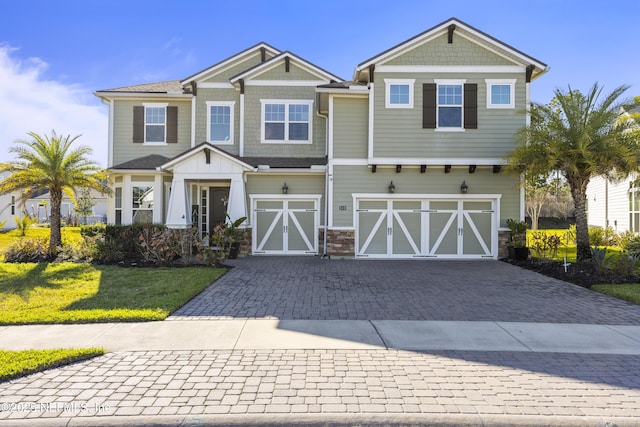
<point x="392" y="188"/>
<point x="285" y="188"/>
<point x="447" y="168"/>
<point x="464" y="187"/>
<point x="398" y="168"/>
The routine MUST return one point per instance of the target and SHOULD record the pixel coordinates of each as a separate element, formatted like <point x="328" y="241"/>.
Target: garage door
<point x="285" y="226"/>
<point x="425" y="228"/>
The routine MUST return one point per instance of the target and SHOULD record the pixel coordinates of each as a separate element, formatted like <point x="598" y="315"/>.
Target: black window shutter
<point x="138" y="124"/>
<point x="172" y="125"/>
<point x="428" y="105"/>
<point x="471" y="106"/>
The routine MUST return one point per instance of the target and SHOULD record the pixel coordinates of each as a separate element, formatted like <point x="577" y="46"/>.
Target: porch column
<point x="237" y="206"/>
<point x="158" y="199"/>
<point x="179" y="215"/>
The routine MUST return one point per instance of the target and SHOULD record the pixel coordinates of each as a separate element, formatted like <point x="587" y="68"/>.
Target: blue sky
<point x="55" y="54"/>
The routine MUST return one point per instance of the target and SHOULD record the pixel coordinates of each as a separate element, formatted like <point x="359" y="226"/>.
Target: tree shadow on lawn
<point x="22" y="279"/>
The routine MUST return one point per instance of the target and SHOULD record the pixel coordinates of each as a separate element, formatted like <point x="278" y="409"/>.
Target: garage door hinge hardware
<point x="389" y="231"/>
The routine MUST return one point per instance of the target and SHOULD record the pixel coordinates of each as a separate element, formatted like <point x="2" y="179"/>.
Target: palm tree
<point x="581" y="136"/>
<point x="49" y="163"/>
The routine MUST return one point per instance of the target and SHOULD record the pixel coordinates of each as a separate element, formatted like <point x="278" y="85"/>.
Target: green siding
<point x="398" y="132"/>
<point x="279" y="73"/>
<point x="253" y="120"/>
<point x="124" y="149"/>
<point x="350" y="127"/>
<point x="359" y="179"/>
<point x="298" y="184"/>
<point x="240" y="65"/>
<point x="205" y="95"/>
<point x="439" y="52"/>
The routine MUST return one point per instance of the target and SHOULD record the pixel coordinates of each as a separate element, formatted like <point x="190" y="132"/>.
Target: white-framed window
<point x="155" y="123"/>
<point x="142" y="203"/>
<point x="500" y="93"/>
<point x="118" y="204"/>
<point x="286" y="121"/>
<point x="450" y="103"/>
<point x="220" y="122"/>
<point x="399" y="93"/>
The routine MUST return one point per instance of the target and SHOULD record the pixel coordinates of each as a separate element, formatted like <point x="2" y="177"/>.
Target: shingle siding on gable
<point x="400" y="132"/>
<point x="226" y="73"/>
<point x="279" y="73"/>
<point x="439" y="52"/>
<point x="125" y="149"/>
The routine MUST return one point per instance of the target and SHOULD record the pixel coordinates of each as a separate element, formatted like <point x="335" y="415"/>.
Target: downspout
<point x="326" y="182"/>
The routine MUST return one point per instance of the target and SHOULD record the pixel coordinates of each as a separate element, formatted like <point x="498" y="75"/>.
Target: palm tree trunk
<point x="55" y="236"/>
<point x="579" y="193"/>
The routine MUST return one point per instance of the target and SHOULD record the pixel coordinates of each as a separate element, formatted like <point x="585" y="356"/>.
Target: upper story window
<point x="399" y="93"/>
<point x="500" y="93"/>
<point x="220" y="122"/>
<point x="286" y="121"/>
<point x="155" y="123"/>
<point x="450" y="105"/>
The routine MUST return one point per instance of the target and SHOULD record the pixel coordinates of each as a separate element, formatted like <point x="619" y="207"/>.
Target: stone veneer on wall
<point x="341" y="243"/>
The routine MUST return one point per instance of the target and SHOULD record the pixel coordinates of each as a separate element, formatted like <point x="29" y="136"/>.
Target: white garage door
<point x="426" y="228"/>
<point x="285" y="227"/>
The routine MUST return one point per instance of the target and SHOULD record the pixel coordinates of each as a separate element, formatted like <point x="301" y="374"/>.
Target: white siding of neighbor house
<point x="608" y="204"/>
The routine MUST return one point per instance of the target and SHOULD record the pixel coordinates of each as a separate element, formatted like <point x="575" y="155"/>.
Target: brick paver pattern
<point x="330" y="381"/>
<point x="312" y="288"/>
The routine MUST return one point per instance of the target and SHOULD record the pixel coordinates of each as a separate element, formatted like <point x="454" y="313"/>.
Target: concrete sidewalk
<point x="254" y="334"/>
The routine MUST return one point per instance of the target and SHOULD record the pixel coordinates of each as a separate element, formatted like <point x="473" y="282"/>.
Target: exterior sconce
<point x="392" y="188"/>
<point x="398" y="168"/>
<point x="464" y="187"/>
<point x="285" y="188"/>
<point x="374" y="168"/>
<point x="447" y="168"/>
<point x="423" y="168"/>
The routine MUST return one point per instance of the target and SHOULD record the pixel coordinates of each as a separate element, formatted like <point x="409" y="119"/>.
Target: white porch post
<point x="127" y="202"/>
<point x="158" y="199"/>
<point x="179" y="215"/>
<point x="237" y="206"/>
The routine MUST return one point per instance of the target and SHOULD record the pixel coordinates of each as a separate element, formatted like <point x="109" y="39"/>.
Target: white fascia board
<point x="436" y="161"/>
<point x="141" y="95"/>
<point x="277" y="60"/>
<point x="171" y="163"/>
<point x="314" y="170"/>
<point x="297" y="83"/>
<point x="220" y="66"/>
<point x="436" y="196"/>
<point x="215" y="85"/>
<point x="156" y="171"/>
<point x="361" y="93"/>
<point x="451" y="69"/>
<point x="349" y="162"/>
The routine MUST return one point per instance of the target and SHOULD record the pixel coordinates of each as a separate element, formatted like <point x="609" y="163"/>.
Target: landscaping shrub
<point x="92" y="230"/>
<point x="599" y="236"/>
<point x="77" y="251"/>
<point x="23" y="224"/>
<point x="28" y="250"/>
<point x="544" y="246"/>
<point x="632" y="247"/>
<point x="159" y="244"/>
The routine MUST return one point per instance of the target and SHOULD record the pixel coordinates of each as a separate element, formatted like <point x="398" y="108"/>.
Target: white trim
<point x="461" y="161"/>
<point x="287" y="103"/>
<point x="241" y="125"/>
<point x="215" y="85"/>
<point x="188" y="154"/>
<point x="360" y="92"/>
<point x="501" y="82"/>
<point x="349" y="162"/>
<point x="466" y="69"/>
<point x="193" y="122"/>
<point x="430" y="196"/>
<point x="231" y="105"/>
<point x="110" y="132"/>
<point x="141" y="95"/>
<point x="398" y="82"/>
<point x="155" y="105"/>
<point x="230" y="60"/>
<point x="276" y="60"/>
<point x="342" y="228"/>
<point x="286" y="83"/>
<point x="371" y="115"/>
<point x="450" y="82"/>
<point x="313" y="170"/>
<point x="330" y="130"/>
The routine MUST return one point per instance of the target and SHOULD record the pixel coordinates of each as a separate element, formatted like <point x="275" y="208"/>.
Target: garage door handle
<point x="389" y="231"/>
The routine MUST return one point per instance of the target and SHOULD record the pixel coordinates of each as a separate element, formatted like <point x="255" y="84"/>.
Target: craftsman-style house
<point x="403" y="161"/>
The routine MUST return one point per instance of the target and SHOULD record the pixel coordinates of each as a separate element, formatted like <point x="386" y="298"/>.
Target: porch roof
<point x="152" y="162"/>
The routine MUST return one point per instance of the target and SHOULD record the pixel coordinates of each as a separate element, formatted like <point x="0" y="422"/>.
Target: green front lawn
<point x="628" y="292"/>
<point x="77" y="293"/>
<point x="14" y="364"/>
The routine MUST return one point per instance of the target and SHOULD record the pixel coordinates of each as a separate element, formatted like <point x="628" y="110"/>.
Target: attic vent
<point x="451" y="29"/>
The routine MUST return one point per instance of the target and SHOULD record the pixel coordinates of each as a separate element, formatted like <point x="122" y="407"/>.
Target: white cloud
<point x="30" y="103"/>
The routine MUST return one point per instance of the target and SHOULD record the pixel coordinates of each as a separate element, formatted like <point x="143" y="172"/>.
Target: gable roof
<point x="514" y="54"/>
<point x="158" y="87"/>
<point x="321" y="73"/>
<point x="227" y="61"/>
<point x="201" y="147"/>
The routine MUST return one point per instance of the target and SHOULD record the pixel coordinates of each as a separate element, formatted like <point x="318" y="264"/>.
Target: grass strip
<point x="15" y="364"/>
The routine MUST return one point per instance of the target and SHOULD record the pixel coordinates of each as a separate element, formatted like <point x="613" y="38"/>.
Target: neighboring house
<point x="39" y="208"/>
<point x="8" y="206"/>
<point x="403" y="161"/>
<point x="615" y="203"/>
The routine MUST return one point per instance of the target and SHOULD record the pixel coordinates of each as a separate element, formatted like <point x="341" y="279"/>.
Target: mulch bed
<point x="583" y="274"/>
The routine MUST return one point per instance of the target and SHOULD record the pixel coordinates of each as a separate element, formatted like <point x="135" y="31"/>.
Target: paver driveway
<point x="312" y="288"/>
